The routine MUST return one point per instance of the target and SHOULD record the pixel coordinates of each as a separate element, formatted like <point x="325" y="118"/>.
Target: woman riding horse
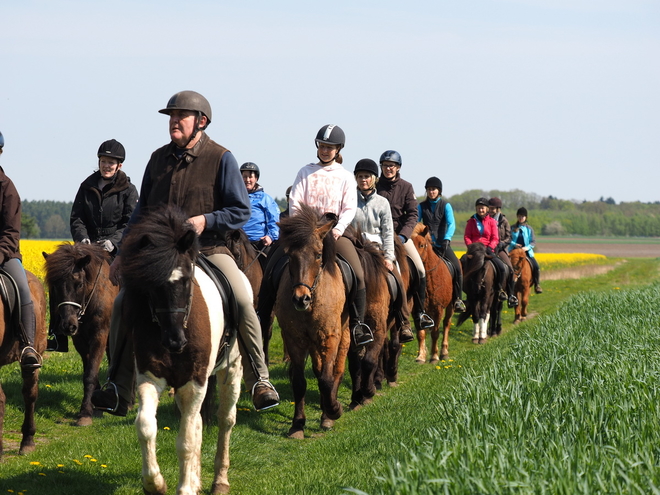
<point x="523" y="237"/>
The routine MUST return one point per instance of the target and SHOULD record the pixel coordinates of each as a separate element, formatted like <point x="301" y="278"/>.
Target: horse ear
<point x="186" y="241"/>
<point x="235" y="235"/>
<point x="45" y="254"/>
<point x="425" y="230"/>
<point x="84" y="261"/>
<point x="323" y="231"/>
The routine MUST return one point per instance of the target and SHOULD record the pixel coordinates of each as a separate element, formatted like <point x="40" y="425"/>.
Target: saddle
<point x="10" y="298"/>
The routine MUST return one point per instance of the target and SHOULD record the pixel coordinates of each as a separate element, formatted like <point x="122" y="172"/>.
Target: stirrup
<point x="424" y="321"/>
<point x="502" y="295"/>
<point x="459" y="306"/>
<point x="36" y="354"/>
<point x="366" y="336"/>
<point x="108" y="384"/>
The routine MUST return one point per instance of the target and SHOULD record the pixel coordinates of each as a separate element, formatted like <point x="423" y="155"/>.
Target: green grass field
<point x="564" y="403"/>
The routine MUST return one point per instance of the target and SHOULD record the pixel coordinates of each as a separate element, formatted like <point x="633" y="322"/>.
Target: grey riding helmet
<point x="251" y="167"/>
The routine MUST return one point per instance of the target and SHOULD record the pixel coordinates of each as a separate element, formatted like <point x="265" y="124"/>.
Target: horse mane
<point x="298" y="229"/>
<point x="62" y="262"/>
<point x="371" y="255"/>
<point x="476" y="257"/>
<point x="156" y="236"/>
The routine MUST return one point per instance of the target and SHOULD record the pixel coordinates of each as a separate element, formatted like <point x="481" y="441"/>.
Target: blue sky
<point x="554" y="97"/>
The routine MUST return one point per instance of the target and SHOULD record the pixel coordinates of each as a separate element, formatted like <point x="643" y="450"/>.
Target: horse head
<point x="476" y="258"/>
<point x="422" y="240"/>
<point x="158" y="263"/>
<point x="517" y="257"/>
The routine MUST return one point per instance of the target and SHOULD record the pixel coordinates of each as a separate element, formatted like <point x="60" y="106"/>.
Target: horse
<point x="81" y="299"/>
<point x="439" y="290"/>
<point x="311" y="309"/>
<point x="174" y="313"/>
<point x="363" y="362"/>
<point x="10" y="352"/>
<point x="522" y="274"/>
<point x="480" y="285"/>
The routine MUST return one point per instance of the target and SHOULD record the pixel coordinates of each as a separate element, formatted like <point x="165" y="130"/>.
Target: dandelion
<point x="35" y="463"/>
<point x="104" y="465"/>
<point x="437" y="367"/>
<point x="166" y="428"/>
<point x="48" y="386"/>
<point x="42" y="474"/>
<point x="93" y="460"/>
<point x="60" y="465"/>
<point x="87" y="456"/>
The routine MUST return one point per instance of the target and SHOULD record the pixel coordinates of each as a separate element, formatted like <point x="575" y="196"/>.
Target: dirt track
<point x="613" y="250"/>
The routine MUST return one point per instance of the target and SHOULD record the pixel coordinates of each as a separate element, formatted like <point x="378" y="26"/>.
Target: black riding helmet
<point x="367" y="165"/>
<point x="331" y="134"/>
<point x="391" y="156"/>
<point x="433" y="182"/>
<point x="521" y="211"/>
<point x="481" y="201"/>
<point x="251" y="167"/>
<point x="113" y="149"/>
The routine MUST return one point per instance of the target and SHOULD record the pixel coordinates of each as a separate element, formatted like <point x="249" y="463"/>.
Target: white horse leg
<point x="189" y="398"/>
<point x="484" y="327"/>
<point x="229" y="383"/>
<point x="149" y="389"/>
<point x="475" y="335"/>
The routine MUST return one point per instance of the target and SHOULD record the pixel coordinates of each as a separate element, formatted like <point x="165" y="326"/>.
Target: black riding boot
<point x="360" y="331"/>
<point x="58" y="343"/>
<point x="513" y="300"/>
<point x="30" y="358"/>
<point x="536" y="276"/>
<point x="459" y="305"/>
<point x="422" y="320"/>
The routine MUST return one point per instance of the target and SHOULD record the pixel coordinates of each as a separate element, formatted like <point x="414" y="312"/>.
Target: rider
<point x="523" y="237"/>
<point x="11" y="262"/>
<point x="481" y="227"/>
<point x="327" y="187"/>
<point x="403" y="204"/>
<point x="504" y="233"/>
<point x="374" y="219"/>
<point x="201" y="177"/>
<point x="261" y="228"/>
<point x="438" y="215"/>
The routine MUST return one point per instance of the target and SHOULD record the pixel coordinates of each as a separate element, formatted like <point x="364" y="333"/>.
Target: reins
<point x="86" y="300"/>
<point x="259" y="253"/>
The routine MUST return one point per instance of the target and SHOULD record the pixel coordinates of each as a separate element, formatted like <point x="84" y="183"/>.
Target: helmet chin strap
<point x="194" y="133"/>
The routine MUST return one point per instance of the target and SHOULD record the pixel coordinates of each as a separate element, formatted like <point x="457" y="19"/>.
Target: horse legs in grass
<point x="481" y="330"/>
<point x="147" y="428"/>
<point x="30" y="391"/>
<point x="92" y="355"/>
<point x="299" y="386"/>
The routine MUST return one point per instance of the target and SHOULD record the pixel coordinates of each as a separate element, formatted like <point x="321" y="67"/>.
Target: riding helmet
<point x="521" y="211"/>
<point x="496" y="202"/>
<point x="391" y="156"/>
<point x="188" y="100"/>
<point x="2" y="141"/>
<point x="251" y="167"/>
<point x="481" y="201"/>
<point x="367" y="165"/>
<point x="113" y="149"/>
<point x="331" y="134"/>
<point x="433" y="182"/>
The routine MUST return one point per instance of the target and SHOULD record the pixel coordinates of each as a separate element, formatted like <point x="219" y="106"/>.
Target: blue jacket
<point x="264" y="217"/>
<point x="450" y="223"/>
<point x="527" y="237"/>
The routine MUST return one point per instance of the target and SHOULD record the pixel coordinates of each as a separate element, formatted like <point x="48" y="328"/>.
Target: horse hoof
<point x="355" y="406"/>
<point x="482" y="341"/>
<point x="220" y="488"/>
<point x="296" y="433"/>
<point x="420" y="360"/>
<point x="475" y="341"/>
<point x="433" y="360"/>
<point x="327" y="424"/>
<point x="27" y="449"/>
<point x="392" y="384"/>
<point x="84" y="421"/>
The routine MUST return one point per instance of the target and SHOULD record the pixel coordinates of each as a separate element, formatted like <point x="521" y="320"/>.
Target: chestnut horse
<point x="438" y="296"/>
<point x="311" y="310"/>
<point x="522" y="274"/>
<point x="81" y="298"/>
<point x="480" y="285"/>
<point x="10" y="352"/>
<point x="174" y="313"/>
<point x="363" y="362"/>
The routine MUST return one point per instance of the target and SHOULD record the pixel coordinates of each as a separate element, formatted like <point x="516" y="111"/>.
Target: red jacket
<point x="490" y="237"/>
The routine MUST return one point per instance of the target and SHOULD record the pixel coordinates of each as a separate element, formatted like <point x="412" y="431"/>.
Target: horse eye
<point x="318" y="256"/>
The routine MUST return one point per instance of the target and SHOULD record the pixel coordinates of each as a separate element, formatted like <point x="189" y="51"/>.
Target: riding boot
<point x="501" y="283"/>
<point x="360" y="331"/>
<point x="30" y="358"/>
<point x="459" y="305"/>
<point x="513" y="300"/>
<point x="401" y="311"/>
<point x="421" y="319"/>
<point x="536" y="277"/>
<point x="58" y="343"/>
<point x="403" y="324"/>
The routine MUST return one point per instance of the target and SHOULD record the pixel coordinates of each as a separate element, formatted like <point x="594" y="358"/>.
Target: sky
<point x="553" y="97"/>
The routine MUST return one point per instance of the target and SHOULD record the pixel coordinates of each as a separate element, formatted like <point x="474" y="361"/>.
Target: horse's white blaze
<point x="176" y="275"/>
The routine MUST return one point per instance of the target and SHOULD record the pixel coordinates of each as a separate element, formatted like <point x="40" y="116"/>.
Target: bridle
<point x="314" y="285"/>
<point x="86" y="300"/>
<point x="155" y="311"/>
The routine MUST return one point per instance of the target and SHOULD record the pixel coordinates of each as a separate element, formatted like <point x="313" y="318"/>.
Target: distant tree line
<point x="548" y="215"/>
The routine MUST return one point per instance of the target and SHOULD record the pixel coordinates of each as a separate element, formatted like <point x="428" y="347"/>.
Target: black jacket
<point x="103" y="214"/>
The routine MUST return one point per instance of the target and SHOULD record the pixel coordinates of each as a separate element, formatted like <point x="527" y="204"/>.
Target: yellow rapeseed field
<point x="33" y="260"/>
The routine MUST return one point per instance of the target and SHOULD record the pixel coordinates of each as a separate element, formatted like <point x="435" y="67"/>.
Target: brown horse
<point x="522" y="273"/>
<point x="311" y="310"/>
<point x="174" y="313"/>
<point x="438" y="295"/>
<point x="363" y="362"/>
<point x="10" y="352"/>
<point x="480" y="283"/>
<point x="81" y="298"/>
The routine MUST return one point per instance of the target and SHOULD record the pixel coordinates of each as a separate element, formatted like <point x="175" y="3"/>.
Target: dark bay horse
<point x="363" y="362"/>
<point x="174" y="313"/>
<point x="438" y="296"/>
<point x="311" y="311"/>
<point x="480" y="285"/>
<point x="81" y="298"/>
<point x="10" y="353"/>
<point x="522" y="274"/>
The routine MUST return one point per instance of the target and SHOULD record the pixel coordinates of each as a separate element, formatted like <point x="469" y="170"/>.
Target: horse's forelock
<point x="61" y="263"/>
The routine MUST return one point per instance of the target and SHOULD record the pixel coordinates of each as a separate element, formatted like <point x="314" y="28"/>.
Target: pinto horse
<point x="480" y="285"/>
<point x="311" y="310"/>
<point x="174" y="313"/>
<point x="522" y="274"/>
<point x="439" y="289"/>
<point x="10" y="352"/>
<point x="81" y="298"/>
